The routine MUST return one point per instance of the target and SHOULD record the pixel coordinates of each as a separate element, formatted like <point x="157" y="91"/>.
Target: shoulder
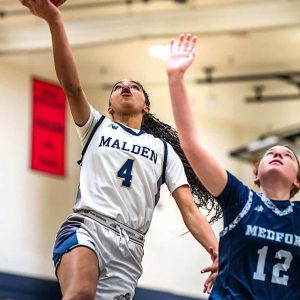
<point x="233" y="181"/>
<point x="96" y="119"/>
<point x="235" y="191"/>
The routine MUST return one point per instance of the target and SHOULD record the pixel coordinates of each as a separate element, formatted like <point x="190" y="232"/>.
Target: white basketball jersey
<point x="121" y="172"/>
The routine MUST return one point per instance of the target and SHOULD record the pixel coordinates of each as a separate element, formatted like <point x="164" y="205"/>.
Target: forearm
<point x="182" y="111"/>
<point x="194" y="219"/>
<point x="65" y="66"/>
<point x="67" y="73"/>
<point x="201" y="230"/>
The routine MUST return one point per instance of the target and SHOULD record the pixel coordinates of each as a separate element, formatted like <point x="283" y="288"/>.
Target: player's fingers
<point x="180" y="41"/>
<point x="207" y="269"/>
<point x="209" y="282"/>
<point x="172" y="43"/>
<point x="187" y="41"/>
<point x="27" y="3"/>
<point x="193" y="43"/>
<point x="207" y="286"/>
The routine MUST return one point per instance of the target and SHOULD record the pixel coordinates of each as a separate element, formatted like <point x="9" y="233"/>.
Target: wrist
<point x="54" y="20"/>
<point x="176" y="76"/>
<point x="214" y="255"/>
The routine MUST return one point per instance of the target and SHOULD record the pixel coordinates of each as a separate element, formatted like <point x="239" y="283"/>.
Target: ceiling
<point x="111" y="40"/>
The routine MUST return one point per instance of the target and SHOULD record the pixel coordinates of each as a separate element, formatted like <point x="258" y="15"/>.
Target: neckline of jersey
<point x="131" y="130"/>
<point x="274" y="208"/>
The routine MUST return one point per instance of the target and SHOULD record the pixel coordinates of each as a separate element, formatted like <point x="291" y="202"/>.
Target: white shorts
<point x="118" y="247"/>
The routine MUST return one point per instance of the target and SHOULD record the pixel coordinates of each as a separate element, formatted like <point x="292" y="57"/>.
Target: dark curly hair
<point x="202" y="198"/>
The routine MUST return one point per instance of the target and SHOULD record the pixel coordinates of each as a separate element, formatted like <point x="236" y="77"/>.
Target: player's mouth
<point x="276" y="161"/>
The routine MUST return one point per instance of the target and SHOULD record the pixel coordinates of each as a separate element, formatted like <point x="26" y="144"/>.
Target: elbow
<point x="72" y="90"/>
<point x="192" y="148"/>
<point x="188" y="142"/>
<point x="184" y="144"/>
<point x="188" y="148"/>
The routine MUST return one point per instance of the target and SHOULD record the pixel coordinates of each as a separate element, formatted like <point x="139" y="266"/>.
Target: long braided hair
<point x="202" y="198"/>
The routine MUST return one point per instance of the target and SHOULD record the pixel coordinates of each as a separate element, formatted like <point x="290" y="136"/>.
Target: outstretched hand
<point x="182" y="54"/>
<point x="213" y="269"/>
<point x="44" y="9"/>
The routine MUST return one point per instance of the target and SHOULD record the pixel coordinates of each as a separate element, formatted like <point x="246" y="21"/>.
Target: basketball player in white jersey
<point x="259" y="256"/>
<point x="99" y="249"/>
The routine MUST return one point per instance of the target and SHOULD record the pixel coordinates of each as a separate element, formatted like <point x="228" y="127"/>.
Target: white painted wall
<point x="33" y="205"/>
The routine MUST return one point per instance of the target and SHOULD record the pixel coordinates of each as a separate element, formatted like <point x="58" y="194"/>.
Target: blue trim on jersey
<point x="157" y="195"/>
<point x="274" y="208"/>
<point x="161" y="179"/>
<point x="240" y="216"/>
<point x="130" y="130"/>
<point x="99" y="122"/>
<point x="165" y="161"/>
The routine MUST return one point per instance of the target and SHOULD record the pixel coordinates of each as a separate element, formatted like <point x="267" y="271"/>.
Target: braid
<point x="202" y="198"/>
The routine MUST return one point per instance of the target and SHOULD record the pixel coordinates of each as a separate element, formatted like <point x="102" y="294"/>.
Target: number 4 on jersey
<point x="125" y="173"/>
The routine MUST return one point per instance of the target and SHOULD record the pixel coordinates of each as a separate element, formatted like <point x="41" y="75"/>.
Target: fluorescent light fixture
<point x="159" y="51"/>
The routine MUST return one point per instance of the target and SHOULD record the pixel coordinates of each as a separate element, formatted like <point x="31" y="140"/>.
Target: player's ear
<point x="110" y="110"/>
<point x="256" y="181"/>
<point x="146" y="109"/>
<point x="296" y="184"/>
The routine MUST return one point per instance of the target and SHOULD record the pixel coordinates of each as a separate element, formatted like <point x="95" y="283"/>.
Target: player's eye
<point x="135" y="87"/>
<point x="117" y="87"/>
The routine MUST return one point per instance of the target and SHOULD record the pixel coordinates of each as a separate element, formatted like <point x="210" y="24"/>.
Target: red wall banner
<point x="48" y="128"/>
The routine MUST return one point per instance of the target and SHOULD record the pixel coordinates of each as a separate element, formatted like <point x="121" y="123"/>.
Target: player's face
<point x="279" y="161"/>
<point x="127" y="97"/>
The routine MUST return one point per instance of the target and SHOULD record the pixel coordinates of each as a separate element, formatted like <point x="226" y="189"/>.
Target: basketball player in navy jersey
<point x="259" y="250"/>
<point x="99" y="249"/>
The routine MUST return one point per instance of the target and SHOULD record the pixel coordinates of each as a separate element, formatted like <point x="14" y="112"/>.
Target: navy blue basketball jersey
<point x="259" y="247"/>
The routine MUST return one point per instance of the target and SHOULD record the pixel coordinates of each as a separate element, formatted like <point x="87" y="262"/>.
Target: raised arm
<point x="212" y="175"/>
<point x="65" y="66"/>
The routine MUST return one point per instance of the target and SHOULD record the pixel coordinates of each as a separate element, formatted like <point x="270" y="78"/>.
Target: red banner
<point x="48" y="128"/>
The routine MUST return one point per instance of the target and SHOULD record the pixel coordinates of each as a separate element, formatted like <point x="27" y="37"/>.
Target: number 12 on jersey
<point x="125" y="172"/>
<point x="279" y="269"/>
